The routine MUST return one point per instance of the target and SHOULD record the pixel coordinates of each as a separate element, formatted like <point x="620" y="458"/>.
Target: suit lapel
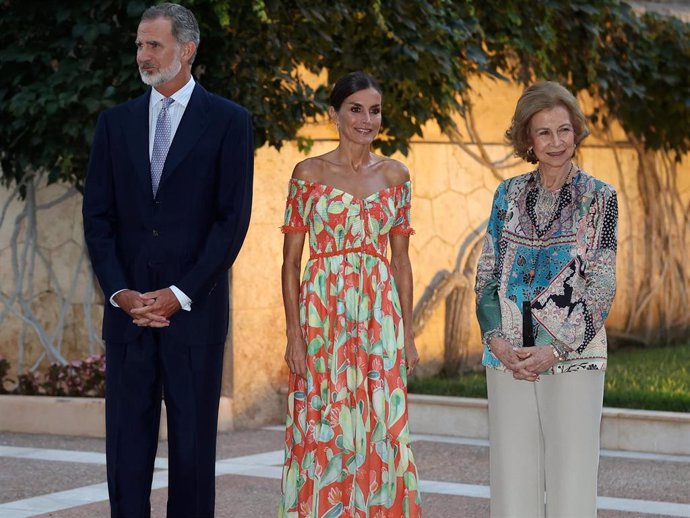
<point x="192" y="126"/>
<point x="137" y="135"/>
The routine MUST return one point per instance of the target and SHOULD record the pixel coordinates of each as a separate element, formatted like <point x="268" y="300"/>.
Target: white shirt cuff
<point x="184" y="300"/>
<point x="112" y="297"/>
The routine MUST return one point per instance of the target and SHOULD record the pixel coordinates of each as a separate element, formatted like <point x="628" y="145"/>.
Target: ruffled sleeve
<point x="297" y="207"/>
<point x="403" y="199"/>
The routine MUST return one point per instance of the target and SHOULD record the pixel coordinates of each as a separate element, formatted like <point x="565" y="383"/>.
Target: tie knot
<point x="167" y="101"/>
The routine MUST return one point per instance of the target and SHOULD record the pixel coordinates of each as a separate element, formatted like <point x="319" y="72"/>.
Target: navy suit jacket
<point x="191" y="232"/>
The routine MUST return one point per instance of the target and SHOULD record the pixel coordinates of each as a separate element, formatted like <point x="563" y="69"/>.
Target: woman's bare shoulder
<point x="395" y="171"/>
<point x="311" y="169"/>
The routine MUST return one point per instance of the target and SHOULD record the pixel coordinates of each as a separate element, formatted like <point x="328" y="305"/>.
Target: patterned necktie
<point x="161" y="144"/>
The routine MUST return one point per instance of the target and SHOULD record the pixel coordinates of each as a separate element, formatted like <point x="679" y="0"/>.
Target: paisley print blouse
<point x="565" y="268"/>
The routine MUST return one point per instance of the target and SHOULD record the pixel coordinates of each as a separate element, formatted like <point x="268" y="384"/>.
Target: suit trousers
<point x="138" y="375"/>
<point x="544" y="444"/>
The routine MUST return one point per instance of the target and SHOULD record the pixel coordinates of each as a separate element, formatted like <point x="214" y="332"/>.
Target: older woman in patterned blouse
<point x="545" y="284"/>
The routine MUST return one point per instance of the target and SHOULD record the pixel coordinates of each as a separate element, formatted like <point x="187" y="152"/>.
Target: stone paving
<point x="64" y="477"/>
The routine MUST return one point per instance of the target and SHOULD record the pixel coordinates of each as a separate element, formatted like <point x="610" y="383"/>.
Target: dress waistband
<point x="355" y="250"/>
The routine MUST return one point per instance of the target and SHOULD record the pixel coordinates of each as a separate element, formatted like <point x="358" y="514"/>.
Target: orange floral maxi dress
<point x="347" y="450"/>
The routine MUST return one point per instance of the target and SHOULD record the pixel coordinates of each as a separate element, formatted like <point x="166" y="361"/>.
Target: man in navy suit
<point x="166" y="207"/>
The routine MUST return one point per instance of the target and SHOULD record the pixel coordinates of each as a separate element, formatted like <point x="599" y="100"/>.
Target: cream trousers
<point x="544" y="444"/>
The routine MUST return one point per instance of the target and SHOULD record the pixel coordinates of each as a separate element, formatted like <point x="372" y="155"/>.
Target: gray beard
<point x="162" y="76"/>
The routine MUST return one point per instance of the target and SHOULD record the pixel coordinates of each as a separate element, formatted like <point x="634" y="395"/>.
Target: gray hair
<point x="184" y="25"/>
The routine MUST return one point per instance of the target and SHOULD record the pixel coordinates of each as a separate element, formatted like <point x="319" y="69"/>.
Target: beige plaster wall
<point x="451" y="198"/>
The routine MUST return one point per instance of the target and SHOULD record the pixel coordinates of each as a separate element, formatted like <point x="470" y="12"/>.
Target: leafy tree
<point x="61" y="67"/>
<point x="635" y="66"/>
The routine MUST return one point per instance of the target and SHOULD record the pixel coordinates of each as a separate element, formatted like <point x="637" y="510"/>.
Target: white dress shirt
<point x="175" y="112"/>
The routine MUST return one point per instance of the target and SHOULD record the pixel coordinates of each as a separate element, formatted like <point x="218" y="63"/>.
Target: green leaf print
<point x="364" y="305"/>
<point x="340" y="339"/>
<point x="360" y="439"/>
<point x="322" y="207"/>
<point x="332" y="473"/>
<point x="318" y="225"/>
<point x="379" y="402"/>
<point x="308" y="462"/>
<point x="370" y="262"/>
<point x="388" y="336"/>
<point x="364" y="340"/>
<point x="404" y="461"/>
<point x="336" y="207"/>
<point x="314" y="320"/>
<point x="315" y="345"/>
<point x="383" y="271"/>
<point x="334" y="511"/>
<point x="342" y="394"/>
<point x="380" y="497"/>
<point x="325" y="431"/>
<point x="410" y="481"/>
<point x="316" y="403"/>
<point x="320" y="280"/>
<point x="320" y="365"/>
<point x="397" y="406"/>
<point x="379" y="433"/>
<point x="351" y="300"/>
<point x="345" y="421"/>
<point x="360" y="503"/>
<point x="392" y="209"/>
<point x="339" y="236"/>
<point x="350" y="465"/>
<point x="382" y="450"/>
<point x="374" y="227"/>
<point x="352" y="377"/>
<point x="291" y="485"/>
<point x="356" y="226"/>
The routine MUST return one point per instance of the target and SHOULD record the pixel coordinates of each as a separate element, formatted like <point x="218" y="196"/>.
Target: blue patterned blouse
<point x="565" y="267"/>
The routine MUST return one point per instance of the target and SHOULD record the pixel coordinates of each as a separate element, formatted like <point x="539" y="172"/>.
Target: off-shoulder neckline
<point x="334" y="188"/>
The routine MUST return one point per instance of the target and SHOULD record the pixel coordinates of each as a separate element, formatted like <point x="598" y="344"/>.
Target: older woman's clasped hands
<point x="526" y="363"/>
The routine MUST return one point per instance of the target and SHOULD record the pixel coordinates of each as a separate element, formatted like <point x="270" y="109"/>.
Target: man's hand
<point x="128" y="301"/>
<point x="156" y="309"/>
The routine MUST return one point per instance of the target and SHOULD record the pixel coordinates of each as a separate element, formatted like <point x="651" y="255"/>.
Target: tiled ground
<point x="64" y="477"/>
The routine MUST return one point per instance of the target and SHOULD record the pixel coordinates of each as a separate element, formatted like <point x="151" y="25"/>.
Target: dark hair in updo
<point x="349" y="84"/>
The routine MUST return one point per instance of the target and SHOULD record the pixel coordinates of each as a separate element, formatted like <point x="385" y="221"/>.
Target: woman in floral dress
<point x="347" y="450"/>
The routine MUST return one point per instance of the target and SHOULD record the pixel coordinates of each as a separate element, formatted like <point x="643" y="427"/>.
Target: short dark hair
<point x="184" y="25"/>
<point x="543" y="96"/>
<point x="349" y="84"/>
